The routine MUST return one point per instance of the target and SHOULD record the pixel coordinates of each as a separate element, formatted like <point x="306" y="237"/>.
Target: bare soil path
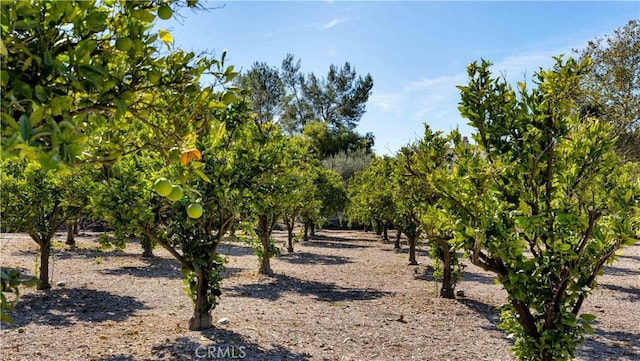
<point x="342" y="296"/>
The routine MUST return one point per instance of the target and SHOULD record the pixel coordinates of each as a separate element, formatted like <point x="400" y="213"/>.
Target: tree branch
<point x="592" y="277"/>
<point x="526" y="319"/>
<point x="168" y="247"/>
<point x="594" y="215"/>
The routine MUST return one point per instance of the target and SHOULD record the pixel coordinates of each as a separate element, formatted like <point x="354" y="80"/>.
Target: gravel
<point x="343" y="296"/>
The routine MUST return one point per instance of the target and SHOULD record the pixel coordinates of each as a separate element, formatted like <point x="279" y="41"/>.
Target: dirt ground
<point x="342" y="296"/>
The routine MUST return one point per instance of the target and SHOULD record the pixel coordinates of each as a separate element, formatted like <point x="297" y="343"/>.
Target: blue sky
<point x="416" y="51"/>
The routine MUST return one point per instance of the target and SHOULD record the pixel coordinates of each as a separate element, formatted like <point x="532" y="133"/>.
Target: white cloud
<point x="387" y="102"/>
<point x="434" y="100"/>
<point x="306" y="26"/>
<point x="331" y="24"/>
<point x="435" y="83"/>
<point x="402" y="113"/>
<point x="520" y="67"/>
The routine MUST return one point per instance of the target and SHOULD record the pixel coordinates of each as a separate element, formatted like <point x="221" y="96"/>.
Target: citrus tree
<point x="94" y="82"/>
<point x="370" y="194"/>
<point x="543" y="201"/>
<point x="409" y="204"/>
<point x="125" y="198"/>
<point x="41" y="201"/>
<point x="74" y="70"/>
<point x="330" y="191"/>
<point x="326" y="198"/>
<point x="428" y="160"/>
<point x="302" y="200"/>
<point x="192" y="215"/>
<point x="277" y="183"/>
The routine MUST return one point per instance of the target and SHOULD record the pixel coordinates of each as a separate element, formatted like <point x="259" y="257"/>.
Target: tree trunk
<point x="265" y="264"/>
<point x="147" y="246"/>
<point x="201" y="319"/>
<point x="265" y="235"/>
<point x="70" y="232"/>
<point x="313" y="229"/>
<point x="45" y="252"/>
<point x="396" y="245"/>
<point x="412" y="250"/>
<point x="385" y="233"/>
<point x="289" y="237"/>
<point x="306" y="231"/>
<point x="446" y="291"/>
<point x="378" y="227"/>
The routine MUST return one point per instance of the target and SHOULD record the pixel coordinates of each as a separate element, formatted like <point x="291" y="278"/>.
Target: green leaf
<point x="217" y="105"/>
<point x="524" y="208"/>
<point x="83" y="50"/>
<point x="97" y="20"/>
<point x="144" y="15"/>
<point x="588" y="317"/>
<point x="3" y="49"/>
<point x="47" y="161"/>
<point x="5" y="317"/>
<point x="201" y="174"/>
<point x="197" y="165"/>
<point x="25" y="127"/>
<point x="41" y="93"/>
<point x="27" y="64"/>
<point x="9" y="119"/>
<point x="121" y="105"/>
<point x="93" y="74"/>
<point x="165" y="36"/>
<point x="23" y="88"/>
<point x="4" y="77"/>
<point x="627" y="196"/>
<point x="587" y="328"/>
<point x="219" y="132"/>
<point x="36" y="116"/>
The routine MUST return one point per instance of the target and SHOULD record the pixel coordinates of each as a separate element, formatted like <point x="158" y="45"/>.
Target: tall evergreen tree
<point x="611" y="90"/>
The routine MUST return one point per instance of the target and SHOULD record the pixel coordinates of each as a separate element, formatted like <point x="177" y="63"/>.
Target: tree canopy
<point x="326" y="109"/>
<point x="74" y="73"/>
<point x="611" y="89"/>
<point x="542" y="201"/>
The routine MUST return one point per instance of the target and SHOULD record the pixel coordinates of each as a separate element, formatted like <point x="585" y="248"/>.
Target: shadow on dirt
<point x="477" y="277"/>
<point x="118" y="357"/>
<point x="420" y="251"/>
<point x="219" y="343"/>
<point x="66" y="306"/>
<point x="69" y="253"/>
<point x="632" y="293"/>
<point x="320" y="242"/>
<point x="637" y="258"/>
<point x="236" y="249"/>
<point x="312" y="258"/>
<point x="487" y="311"/>
<point x="613" y="346"/>
<point x="325" y="235"/>
<point x="23" y="271"/>
<point x="619" y="271"/>
<point x="156" y="267"/>
<point x="425" y="275"/>
<point x="274" y="287"/>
